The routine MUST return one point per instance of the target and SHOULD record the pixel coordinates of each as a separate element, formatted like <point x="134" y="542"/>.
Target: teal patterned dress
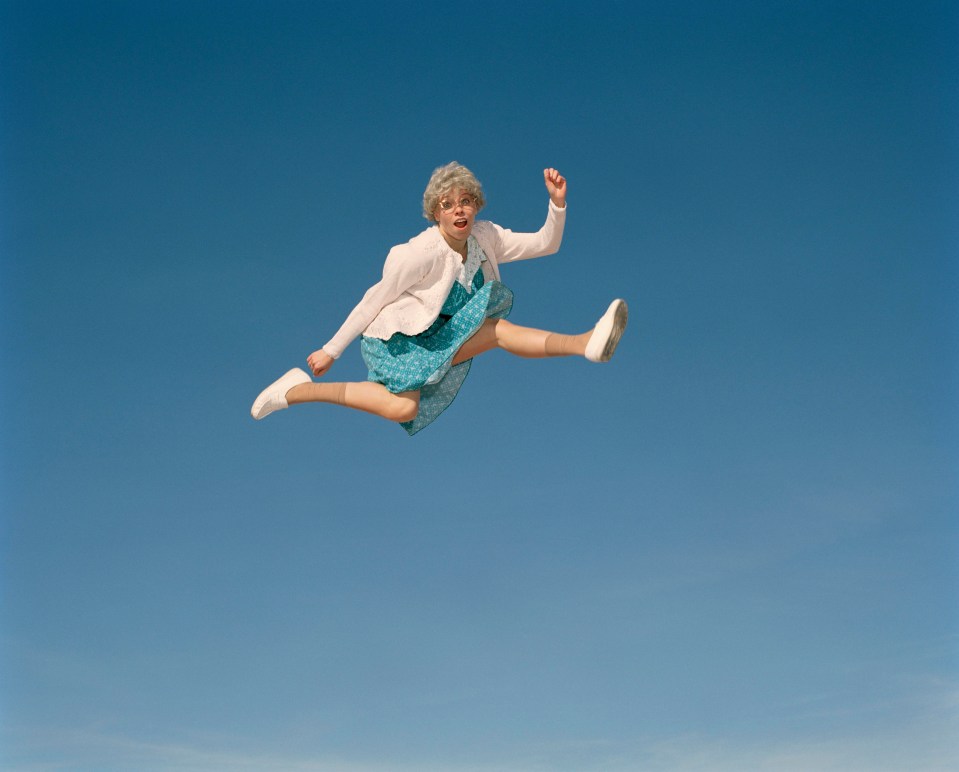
<point x="423" y="362"/>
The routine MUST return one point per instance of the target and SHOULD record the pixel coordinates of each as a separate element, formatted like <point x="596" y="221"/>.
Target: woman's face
<point x="455" y="214"/>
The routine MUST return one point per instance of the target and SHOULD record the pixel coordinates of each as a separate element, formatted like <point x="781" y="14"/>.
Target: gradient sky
<point x="732" y="548"/>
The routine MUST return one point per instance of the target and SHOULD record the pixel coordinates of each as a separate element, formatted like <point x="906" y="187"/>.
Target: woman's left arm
<point x="546" y="241"/>
<point x="556" y="187"/>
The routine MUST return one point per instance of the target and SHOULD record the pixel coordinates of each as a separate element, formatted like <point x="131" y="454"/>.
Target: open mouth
<point x="461" y="223"/>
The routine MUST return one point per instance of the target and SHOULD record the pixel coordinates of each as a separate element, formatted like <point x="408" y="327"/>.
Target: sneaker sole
<point x="620" y="317"/>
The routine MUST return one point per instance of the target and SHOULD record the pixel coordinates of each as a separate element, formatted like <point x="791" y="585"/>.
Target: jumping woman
<point x="439" y="304"/>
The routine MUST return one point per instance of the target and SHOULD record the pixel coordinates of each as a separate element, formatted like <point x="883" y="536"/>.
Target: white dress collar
<point x="469" y="267"/>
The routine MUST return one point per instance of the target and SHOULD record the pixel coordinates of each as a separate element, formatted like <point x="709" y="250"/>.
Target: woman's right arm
<point x="403" y="268"/>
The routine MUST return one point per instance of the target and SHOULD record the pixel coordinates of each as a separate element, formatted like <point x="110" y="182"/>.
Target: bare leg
<point x="366" y="396"/>
<point x="522" y="341"/>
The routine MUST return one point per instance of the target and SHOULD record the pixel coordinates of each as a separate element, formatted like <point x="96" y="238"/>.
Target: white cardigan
<point x="418" y="276"/>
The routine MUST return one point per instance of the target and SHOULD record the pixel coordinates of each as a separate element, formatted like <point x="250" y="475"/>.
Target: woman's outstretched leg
<point x="296" y="387"/>
<point x="597" y="345"/>
<point x="364" y="395"/>
<point x="526" y="342"/>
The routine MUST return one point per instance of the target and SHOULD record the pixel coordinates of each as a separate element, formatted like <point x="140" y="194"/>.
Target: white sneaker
<point x="273" y="397"/>
<point x="608" y="331"/>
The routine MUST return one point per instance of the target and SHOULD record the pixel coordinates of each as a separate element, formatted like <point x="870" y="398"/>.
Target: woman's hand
<point x="320" y="362"/>
<point x="556" y="187"/>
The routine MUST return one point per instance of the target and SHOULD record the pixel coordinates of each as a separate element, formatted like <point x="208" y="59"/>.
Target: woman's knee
<point x="404" y="408"/>
<point x="502" y="329"/>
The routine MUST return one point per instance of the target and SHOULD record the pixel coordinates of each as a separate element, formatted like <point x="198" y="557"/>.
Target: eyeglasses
<point x="466" y="202"/>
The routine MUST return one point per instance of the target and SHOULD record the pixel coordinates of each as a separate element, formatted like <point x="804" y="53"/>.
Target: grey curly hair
<point x="447" y="179"/>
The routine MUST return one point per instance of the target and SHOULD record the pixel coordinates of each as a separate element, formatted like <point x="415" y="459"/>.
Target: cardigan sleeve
<point x="403" y="268"/>
<point x="522" y="246"/>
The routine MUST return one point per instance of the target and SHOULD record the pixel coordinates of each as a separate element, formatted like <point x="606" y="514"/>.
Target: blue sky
<point x="732" y="548"/>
